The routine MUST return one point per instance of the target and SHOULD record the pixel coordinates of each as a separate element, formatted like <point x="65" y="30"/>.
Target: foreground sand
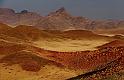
<point x="15" y="72"/>
<point x="49" y="72"/>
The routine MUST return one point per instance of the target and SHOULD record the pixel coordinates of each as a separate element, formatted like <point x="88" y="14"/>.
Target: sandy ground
<point x="70" y="45"/>
<point x="46" y="73"/>
<point x="50" y="72"/>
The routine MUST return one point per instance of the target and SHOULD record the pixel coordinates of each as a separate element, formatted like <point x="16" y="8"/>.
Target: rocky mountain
<point x="10" y="17"/>
<point x="57" y="20"/>
<point x="62" y="20"/>
<point x="107" y="24"/>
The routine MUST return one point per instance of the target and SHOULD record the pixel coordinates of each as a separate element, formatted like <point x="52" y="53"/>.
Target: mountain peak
<point x="62" y="11"/>
<point x="24" y="11"/>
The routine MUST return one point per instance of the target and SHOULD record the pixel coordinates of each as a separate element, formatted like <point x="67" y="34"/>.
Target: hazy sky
<point x="96" y="9"/>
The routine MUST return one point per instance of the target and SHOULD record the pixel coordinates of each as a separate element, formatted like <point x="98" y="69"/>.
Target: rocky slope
<point x="111" y="70"/>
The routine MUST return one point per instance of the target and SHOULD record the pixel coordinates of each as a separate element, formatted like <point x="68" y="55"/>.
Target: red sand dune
<point x="115" y="43"/>
<point x="88" y="59"/>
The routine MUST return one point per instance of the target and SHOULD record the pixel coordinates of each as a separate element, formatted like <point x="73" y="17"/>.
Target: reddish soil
<point x="85" y="60"/>
<point x="31" y="65"/>
<point x="115" y="43"/>
<point x="89" y="60"/>
<point x="10" y="49"/>
<point x="79" y="34"/>
<point x="28" y="61"/>
<point x="114" y="68"/>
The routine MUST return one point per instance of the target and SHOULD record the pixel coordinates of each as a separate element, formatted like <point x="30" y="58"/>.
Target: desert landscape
<point x="59" y="46"/>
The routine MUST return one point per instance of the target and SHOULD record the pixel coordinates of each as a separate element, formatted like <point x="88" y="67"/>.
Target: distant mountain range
<point x="58" y="20"/>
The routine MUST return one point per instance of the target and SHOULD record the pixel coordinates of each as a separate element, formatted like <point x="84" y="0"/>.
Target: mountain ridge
<point x="56" y="20"/>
